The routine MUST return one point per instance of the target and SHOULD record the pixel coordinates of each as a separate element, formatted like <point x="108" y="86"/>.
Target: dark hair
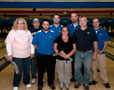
<point x="62" y="29"/>
<point x="96" y="18"/>
<point x="45" y="20"/>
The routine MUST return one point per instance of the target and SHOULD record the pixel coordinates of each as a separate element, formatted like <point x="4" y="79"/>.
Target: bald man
<point x="72" y="27"/>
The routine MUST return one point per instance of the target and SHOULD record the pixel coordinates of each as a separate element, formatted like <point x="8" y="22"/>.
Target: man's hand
<point x="31" y="55"/>
<point x="94" y="56"/>
<point x="10" y="58"/>
<point x="99" y="53"/>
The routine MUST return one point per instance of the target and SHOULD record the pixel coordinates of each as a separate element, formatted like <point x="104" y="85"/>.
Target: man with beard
<point x="72" y="27"/>
<point x="56" y="26"/>
<point x="44" y="41"/>
<point x="84" y="38"/>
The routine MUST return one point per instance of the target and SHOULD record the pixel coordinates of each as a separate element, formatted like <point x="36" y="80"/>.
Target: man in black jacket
<point x="36" y="27"/>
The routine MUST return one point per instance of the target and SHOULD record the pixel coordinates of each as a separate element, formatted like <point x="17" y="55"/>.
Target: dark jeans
<point x="23" y="66"/>
<point x="82" y="69"/>
<point x="46" y="62"/>
<point x="33" y="65"/>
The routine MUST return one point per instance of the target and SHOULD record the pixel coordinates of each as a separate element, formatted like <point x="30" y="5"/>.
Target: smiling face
<point x="56" y="19"/>
<point x="96" y="23"/>
<point x="45" y="25"/>
<point x="20" y="25"/>
<point x="83" y="21"/>
<point x="65" y="31"/>
<point x="74" y="17"/>
<point x="36" y="24"/>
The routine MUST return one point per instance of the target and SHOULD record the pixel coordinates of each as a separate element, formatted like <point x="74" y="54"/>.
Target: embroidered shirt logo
<point x="88" y="32"/>
<point x="50" y="36"/>
<point x="100" y="34"/>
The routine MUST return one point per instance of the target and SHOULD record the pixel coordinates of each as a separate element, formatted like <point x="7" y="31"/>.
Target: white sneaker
<point x="33" y="81"/>
<point x="61" y="86"/>
<point x="43" y="81"/>
<point x="28" y="85"/>
<point x="67" y="87"/>
<point x="15" y="88"/>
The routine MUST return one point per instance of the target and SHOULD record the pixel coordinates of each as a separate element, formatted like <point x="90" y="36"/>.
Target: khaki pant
<point x="64" y="70"/>
<point x="101" y="61"/>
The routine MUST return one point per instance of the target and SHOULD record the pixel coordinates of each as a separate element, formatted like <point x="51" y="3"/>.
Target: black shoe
<point x="86" y="87"/>
<point x="67" y="87"/>
<point x="39" y="88"/>
<point x="52" y="86"/>
<point x="72" y="79"/>
<point x="77" y="85"/>
<point x="107" y="85"/>
<point x="94" y="82"/>
<point x="61" y="88"/>
<point x="98" y="70"/>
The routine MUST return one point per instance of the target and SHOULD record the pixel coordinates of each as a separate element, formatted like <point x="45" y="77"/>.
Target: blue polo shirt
<point x="72" y="28"/>
<point x="102" y="36"/>
<point x="45" y="42"/>
<point x="57" y="30"/>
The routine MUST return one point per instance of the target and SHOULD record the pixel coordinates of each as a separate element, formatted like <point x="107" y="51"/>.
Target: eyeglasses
<point x="95" y="22"/>
<point x="20" y="23"/>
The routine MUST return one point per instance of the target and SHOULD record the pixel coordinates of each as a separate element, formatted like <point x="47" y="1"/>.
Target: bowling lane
<point x="110" y="50"/>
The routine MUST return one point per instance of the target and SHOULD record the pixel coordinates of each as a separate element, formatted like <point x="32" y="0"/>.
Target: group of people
<point x="74" y="45"/>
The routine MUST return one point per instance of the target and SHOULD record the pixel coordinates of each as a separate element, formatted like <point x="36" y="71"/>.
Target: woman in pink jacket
<point x="20" y="49"/>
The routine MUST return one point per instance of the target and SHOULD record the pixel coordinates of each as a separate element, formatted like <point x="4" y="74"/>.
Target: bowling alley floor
<point x="6" y="79"/>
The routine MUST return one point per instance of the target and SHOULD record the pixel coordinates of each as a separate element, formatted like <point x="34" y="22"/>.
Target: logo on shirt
<point x="100" y="34"/>
<point x="88" y="32"/>
<point x="51" y="30"/>
<point x="50" y="36"/>
<point x="22" y="37"/>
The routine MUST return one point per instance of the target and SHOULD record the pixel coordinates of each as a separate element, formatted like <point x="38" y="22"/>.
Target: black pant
<point x="73" y="66"/>
<point x="45" y="62"/>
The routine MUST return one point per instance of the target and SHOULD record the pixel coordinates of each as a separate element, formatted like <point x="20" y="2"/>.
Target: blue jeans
<point x="23" y="66"/>
<point x="86" y="59"/>
<point x="33" y="65"/>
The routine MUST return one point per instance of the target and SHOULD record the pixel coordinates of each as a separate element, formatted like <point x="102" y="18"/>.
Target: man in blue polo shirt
<point x="56" y="26"/>
<point x="103" y="38"/>
<point x="43" y="41"/>
<point x="72" y="27"/>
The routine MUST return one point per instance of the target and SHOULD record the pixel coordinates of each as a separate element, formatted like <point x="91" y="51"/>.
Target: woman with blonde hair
<point x="20" y="49"/>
